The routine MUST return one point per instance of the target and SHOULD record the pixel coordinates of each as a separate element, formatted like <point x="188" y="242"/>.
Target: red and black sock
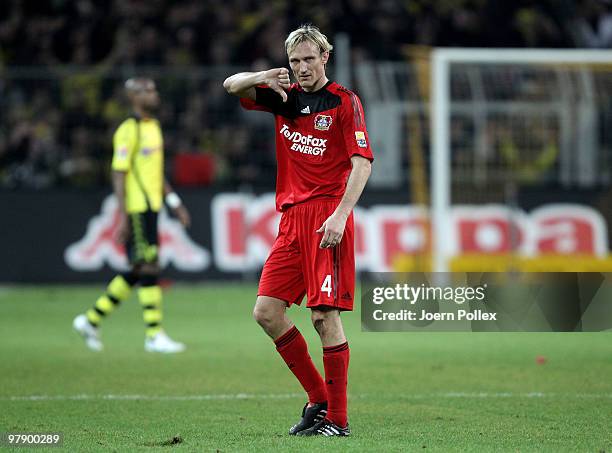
<point x="293" y="349"/>
<point x="336" y="361"/>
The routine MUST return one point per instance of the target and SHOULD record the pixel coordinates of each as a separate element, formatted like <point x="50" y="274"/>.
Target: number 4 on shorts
<point x="326" y="287"/>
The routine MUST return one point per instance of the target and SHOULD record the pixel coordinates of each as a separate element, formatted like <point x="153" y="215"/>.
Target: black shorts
<point x="142" y="245"/>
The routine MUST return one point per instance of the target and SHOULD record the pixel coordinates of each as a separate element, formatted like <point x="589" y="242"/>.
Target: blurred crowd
<point x="63" y="63"/>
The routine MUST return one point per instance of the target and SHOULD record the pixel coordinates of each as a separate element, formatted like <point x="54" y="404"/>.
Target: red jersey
<point x="317" y="133"/>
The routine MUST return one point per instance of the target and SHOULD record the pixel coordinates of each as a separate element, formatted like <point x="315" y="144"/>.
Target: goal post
<point x="564" y="80"/>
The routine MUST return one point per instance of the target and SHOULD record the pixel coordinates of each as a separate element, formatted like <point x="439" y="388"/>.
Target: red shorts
<point x="297" y="266"/>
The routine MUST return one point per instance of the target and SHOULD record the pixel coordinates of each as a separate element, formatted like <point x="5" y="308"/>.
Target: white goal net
<point x="521" y="146"/>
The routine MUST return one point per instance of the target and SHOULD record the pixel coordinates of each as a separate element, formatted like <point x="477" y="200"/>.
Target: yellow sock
<point x="117" y="291"/>
<point x="151" y="300"/>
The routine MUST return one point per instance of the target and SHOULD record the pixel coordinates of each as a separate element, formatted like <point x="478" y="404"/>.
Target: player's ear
<point x="325" y="57"/>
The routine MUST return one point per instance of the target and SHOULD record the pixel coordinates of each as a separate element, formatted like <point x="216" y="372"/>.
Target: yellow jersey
<point x="139" y="151"/>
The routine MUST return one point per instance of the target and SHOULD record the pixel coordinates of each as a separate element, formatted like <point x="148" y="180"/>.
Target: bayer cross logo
<point x="322" y="122"/>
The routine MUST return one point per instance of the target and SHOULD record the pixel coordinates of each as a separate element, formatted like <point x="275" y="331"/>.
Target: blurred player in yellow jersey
<point x="140" y="187"/>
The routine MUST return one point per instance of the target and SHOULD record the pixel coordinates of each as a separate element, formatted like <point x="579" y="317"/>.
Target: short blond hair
<point x="307" y="32"/>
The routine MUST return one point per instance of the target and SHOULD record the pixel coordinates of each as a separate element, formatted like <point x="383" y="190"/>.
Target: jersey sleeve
<point x="124" y="142"/>
<point x="266" y="100"/>
<point x="356" y="140"/>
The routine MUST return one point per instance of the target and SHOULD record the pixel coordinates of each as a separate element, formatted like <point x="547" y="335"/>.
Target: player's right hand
<point x="278" y="80"/>
<point x="333" y="230"/>
<point x="183" y="215"/>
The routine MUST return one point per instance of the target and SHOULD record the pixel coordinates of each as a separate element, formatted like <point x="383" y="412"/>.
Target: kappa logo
<point x="323" y="122"/>
<point x="98" y="246"/>
<point x="361" y="139"/>
<point x="306" y="110"/>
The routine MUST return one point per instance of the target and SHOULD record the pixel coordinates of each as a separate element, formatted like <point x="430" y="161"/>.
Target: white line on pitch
<point x="220" y="396"/>
<point x="256" y="396"/>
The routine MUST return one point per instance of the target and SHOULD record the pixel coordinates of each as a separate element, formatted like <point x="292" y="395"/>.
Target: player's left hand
<point x="333" y="230"/>
<point x="182" y="214"/>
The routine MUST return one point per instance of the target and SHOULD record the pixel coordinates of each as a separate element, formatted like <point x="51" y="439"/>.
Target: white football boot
<point x="161" y="342"/>
<point x="90" y="334"/>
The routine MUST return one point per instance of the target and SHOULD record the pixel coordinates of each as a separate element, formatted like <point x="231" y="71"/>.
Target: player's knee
<point x="319" y="319"/>
<point x="261" y="315"/>
<point x="322" y="314"/>
<point x="265" y="315"/>
<point x="135" y="270"/>
<point x="324" y="320"/>
<point x="149" y="269"/>
<point x="131" y="277"/>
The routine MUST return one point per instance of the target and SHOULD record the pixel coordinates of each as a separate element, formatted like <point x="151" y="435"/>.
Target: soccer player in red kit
<point x="324" y="161"/>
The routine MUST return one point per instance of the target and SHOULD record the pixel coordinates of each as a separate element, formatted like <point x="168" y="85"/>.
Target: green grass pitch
<point x="230" y="391"/>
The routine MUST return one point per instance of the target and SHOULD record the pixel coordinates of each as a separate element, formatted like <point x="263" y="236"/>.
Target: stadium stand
<point x="60" y="90"/>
